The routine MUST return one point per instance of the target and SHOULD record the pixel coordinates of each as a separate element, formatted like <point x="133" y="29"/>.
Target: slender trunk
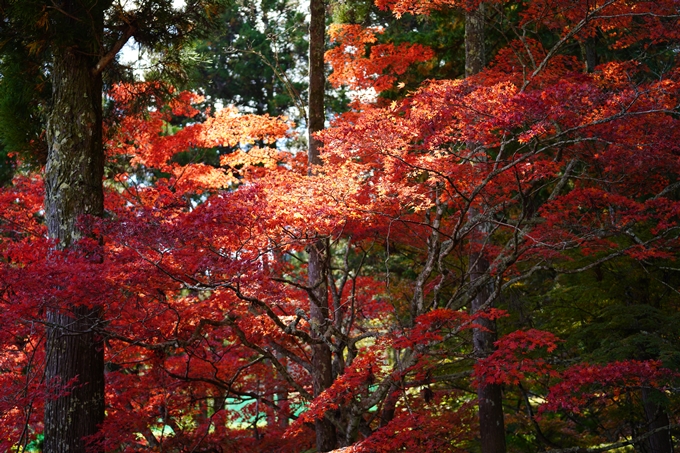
<point x="322" y="378"/>
<point x="490" y="396"/>
<point x="589" y="51"/>
<point x="657" y="419"/>
<point x="474" y="41"/>
<point x="389" y="407"/>
<point x="73" y="187"/>
<point x="317" y="78"/>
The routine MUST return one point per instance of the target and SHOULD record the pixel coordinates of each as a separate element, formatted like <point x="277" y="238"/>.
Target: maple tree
<point x="433" y="103"/>
<point x="204" y="274"/>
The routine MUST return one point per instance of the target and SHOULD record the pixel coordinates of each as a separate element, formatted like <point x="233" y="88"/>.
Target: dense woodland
<point x="340" y="225"/>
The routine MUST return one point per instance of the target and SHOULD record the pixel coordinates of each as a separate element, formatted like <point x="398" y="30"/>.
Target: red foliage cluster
<point x="513" y="361"/>
<point x="200" y="269"/>
<point x="585" y="386"/>
<point x="378" y="70"/>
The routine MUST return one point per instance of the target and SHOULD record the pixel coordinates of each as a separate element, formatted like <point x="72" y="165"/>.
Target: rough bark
<point x="75" y="165"/>
<point x="474" y="41"/>
<point x="75" y="352"/>
<point x="73" y="187"/>
<point x="490" y="396"/>
<point x="322" y="378"/>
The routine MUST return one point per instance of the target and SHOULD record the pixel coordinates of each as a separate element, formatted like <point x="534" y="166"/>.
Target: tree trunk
<point x="322" y="378"/>
<point x="73" y="187"/>
<point x="317" y="78"/>
<point x="490" y="396"/>
<point x="589" y="51"/>
<point x="474" y="41"/>
<point x="657" y="419"/>
<point x="322" y="359"/>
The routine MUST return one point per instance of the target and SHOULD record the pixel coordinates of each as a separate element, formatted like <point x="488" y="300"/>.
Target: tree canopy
<point x="249" y="296"/>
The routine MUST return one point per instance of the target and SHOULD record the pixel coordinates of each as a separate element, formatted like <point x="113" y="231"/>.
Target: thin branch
<point x="109" y="56"/>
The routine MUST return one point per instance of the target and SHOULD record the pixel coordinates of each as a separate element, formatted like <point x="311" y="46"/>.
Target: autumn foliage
<point x="199" y="267"/>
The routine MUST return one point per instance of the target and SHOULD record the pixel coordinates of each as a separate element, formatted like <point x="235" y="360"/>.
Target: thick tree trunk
<point x="73" y="187"/>
<point x="326" y="436"/>
<point x="75" y="163"/>
<point x="490" y="396"/>
<point x="74" y="352"/>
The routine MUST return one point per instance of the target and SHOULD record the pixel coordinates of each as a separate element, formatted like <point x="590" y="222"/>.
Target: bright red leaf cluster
<point x="200" y="268"/>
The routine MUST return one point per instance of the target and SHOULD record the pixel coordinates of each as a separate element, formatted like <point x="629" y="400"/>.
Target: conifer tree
<point x="75" y="41"/>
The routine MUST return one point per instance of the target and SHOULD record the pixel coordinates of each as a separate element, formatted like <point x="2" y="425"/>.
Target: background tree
<point x="256" y="58"/>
